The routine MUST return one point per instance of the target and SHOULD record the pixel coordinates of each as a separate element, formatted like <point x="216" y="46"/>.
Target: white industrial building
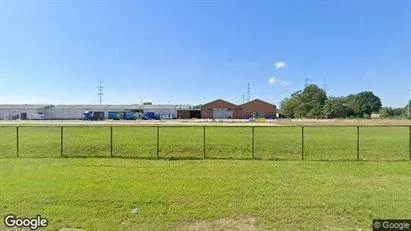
<point x="65" y="112"/>
<point x="21" y="111"/>
<point x="166" y="111"/>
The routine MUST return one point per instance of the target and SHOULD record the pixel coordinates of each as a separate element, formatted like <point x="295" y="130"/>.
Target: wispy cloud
<point x="279" y="65"/>
<point x="275" y="80"/>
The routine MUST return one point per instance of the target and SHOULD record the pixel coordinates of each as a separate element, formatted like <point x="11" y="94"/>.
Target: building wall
<point x="63" y="113"/>
<point x="8" y="114"/>
<point x="188" y="114"/>
<point x="183" y="114"/>
<point x="4" y="113"/>
<point x="163" y="112"/>
<point x="75" y="112"/>
<point x="258" y="108"/>
<point x="207" y="109"/>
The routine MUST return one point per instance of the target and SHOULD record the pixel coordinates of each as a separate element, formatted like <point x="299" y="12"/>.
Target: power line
<point x="100" y="93"/>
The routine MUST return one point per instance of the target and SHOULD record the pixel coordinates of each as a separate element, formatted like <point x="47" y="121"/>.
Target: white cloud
<point x="279" y="65"/>
<point x="274" y="80"/>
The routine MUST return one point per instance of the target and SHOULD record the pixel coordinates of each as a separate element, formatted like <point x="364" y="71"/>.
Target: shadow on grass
<point x="207" y="158"/>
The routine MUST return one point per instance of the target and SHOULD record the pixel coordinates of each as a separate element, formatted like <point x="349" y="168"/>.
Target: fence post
<point x="302" y="142"/>
<point x="409" y="136"/>
<point x="17" y="140"/>
<point x="158" y="141"/>
<point x="252" y="146"/>
<point x="358" y="142"/>
<point x="111" y="141"/>
<point x="61" y="141"/>
<point x="204" y="142"/>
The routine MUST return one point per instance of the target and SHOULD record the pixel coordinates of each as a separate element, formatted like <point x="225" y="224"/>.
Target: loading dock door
<point x="98" y="115"/>
<point x="260" y="114"/>
<point x="222" y="113"/>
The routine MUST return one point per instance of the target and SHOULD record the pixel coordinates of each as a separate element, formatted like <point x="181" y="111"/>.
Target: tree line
<point x="312" y="102"/>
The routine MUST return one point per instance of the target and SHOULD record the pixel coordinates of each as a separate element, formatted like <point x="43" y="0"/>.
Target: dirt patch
<point x="247" y="224"/>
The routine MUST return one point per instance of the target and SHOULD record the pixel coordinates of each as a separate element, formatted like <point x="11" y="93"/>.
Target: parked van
<point x="36" y="116"/>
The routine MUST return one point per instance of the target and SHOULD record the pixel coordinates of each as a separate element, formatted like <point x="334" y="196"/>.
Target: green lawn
<point x="284" y="143"/>
<point x="99" y="193"/>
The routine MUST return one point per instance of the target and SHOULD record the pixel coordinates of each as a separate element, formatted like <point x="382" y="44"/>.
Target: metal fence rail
<point x="238" y="142"/>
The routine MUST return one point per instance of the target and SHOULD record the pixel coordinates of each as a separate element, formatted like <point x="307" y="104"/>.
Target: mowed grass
<point x="282" y="143"/>
<point x="100" y="193"/>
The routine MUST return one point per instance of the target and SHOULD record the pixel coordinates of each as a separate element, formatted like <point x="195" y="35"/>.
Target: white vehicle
<point x="167" y="116"/>
<point x="37" y="116"/>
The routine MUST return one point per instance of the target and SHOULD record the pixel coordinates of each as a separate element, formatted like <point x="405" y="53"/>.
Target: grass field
<point x="283" y="143"/>
<point x="205" y="194"/>
<point x="99" y="194"/>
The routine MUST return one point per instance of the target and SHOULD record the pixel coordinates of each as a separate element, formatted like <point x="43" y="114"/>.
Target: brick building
<point x="221" y="109"/>
<point x="258" y="109"/>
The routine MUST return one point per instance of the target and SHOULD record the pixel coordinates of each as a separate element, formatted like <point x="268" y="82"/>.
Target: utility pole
<point x="248" y="91"/>
<point x="306" y="79"/>
<point x="100" y="93"/>
<point x="409" y="102"/>
<point x="325" y="86"/>
<point x="243" y="98"/>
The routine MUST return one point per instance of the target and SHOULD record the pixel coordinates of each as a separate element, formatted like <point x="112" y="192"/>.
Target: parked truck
<point x="89" y="115"/>
<point x="150" y="116"/>
<point x="133" y="115"/>
<point x="116" y="115"/>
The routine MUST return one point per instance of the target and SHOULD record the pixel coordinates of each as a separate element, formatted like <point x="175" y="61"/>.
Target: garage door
<point x="260" y="114"/>
<point x="222" y="113"/>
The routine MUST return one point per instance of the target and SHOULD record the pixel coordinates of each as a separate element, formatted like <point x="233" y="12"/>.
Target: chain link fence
<point x="390" y="143"/>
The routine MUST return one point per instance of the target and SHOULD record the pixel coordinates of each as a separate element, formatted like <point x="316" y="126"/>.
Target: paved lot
<point x="279" y="122"/>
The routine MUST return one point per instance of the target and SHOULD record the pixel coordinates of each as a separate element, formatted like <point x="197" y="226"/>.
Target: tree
<point x="336" y="107"/>
<point x="305" y="104"/>
<point x="288" y="105"/>
<point x="399" y="112"/>
<point x="311" y="102"/>
<point x="386" y="112"/>
<point x="407" y="110"/>
<point x="364" y="103"/>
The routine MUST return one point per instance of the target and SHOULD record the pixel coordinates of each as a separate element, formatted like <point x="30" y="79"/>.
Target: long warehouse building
<point x="70" y="112"/>
<point x="21" y="111"/>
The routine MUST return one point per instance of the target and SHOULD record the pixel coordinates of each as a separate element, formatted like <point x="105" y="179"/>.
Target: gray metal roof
<point x="90" y="106"/>
<point x="167" y="107"/>
<point x="99" y="107"/>
<point x="124" y="107"/>
<point x="23" y="106"/>
<point x="59" y="107"/>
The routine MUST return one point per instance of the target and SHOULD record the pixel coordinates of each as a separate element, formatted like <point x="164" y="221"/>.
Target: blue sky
<point x="192" y="52"/>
